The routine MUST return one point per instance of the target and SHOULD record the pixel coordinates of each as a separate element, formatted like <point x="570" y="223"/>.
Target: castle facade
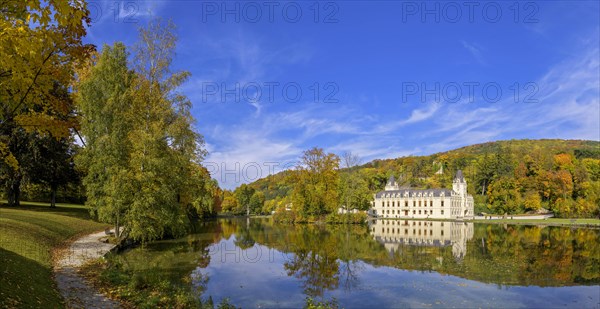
<point x="405" y="203"/>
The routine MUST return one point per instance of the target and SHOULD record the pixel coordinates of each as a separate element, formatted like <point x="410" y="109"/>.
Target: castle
<point x="402" y="202"/>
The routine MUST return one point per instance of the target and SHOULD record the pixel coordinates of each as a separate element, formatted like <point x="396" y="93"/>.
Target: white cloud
<point x="475" y="50"/>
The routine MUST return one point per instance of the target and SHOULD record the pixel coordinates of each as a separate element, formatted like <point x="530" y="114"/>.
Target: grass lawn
<point x="28" y="234"/>
<point x="549" y="221"/>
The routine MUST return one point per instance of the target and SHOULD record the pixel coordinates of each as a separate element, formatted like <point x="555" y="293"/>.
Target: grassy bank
<point x="549" y="221"/>
<point x="28" y="236"/>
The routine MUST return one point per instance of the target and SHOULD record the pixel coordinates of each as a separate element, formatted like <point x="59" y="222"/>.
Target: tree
<point x="504" y="195"/>
<point x="257" y="201"/>
<point x="40" y="45"/>
<point x="104" y="99"/>
<point x="141" y="150"/>
<point x="354" y="190"/>
<point x="533" y="201"/>
<point x="316" y="183"/>
<point x="52" y="164"/>
<point x="243" y="194"/>
<point x="230" y="203"/>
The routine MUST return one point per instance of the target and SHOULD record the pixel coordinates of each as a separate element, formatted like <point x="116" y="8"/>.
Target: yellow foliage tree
<point x="40" y="45"/>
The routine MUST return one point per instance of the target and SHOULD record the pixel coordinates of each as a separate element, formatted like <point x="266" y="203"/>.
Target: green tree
<point x="243" y="194"/>
<point x="504" y="196"/>
<point x="316" y="183"/>
<point x="104" y="99"/>
<point x="354" y="190"/>
<point x="141" y="151"/>
<point x="256" y="203"/>
<point x="52" y="164"/>
<point x="230" y="203"/>
<point x="533" y="201"/>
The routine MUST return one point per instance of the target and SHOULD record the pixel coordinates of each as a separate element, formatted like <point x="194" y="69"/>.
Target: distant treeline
<point x="509" y="177"/>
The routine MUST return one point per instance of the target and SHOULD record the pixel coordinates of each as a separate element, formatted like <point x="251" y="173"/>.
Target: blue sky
<point x="393" y="78"/>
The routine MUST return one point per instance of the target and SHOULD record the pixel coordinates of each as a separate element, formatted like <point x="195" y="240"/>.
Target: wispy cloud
<point x="475" y="50"/>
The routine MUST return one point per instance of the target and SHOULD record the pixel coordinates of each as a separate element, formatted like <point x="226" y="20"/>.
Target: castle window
<point x="419" y="212"/>
<point x="388" y="203"/>
<point x="414" y="211"/>
<point x="442" y="203"/>
<point x="414" y="203"/>
<point x="442" y="214"/>
<point x="406" y="204"/>
<point x="430" y="203"/>
<point x="393" y="204"/>
<point x="425" y="211"/>
<point x="419" y="203"/>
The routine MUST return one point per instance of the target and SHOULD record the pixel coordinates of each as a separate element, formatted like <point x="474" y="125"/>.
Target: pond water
<point x="257" y="263"/>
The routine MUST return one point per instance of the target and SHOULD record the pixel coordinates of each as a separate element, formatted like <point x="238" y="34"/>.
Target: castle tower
<point x="459" y="184"/>
<point x="391" y="184"/>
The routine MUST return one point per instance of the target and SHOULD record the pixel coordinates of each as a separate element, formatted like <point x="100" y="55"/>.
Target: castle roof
<point x="459" y="176"/>
<point x="392" y="180"/>
<point x="412" y="192"/>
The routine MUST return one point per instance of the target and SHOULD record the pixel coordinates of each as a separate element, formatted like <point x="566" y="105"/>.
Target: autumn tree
<point x="141" y="150"/>
<point x="104" y="100"/>
<point x="243" y="195"/>
<point x="230" y="203"/>
<point x="40" y="45"/>
<point x="316" y="183"/>
<point x="354" y="191"/>
<point x="504" y="196"/>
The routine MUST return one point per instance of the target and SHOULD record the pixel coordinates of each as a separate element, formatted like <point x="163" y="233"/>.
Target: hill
<point x="512" y="176"/>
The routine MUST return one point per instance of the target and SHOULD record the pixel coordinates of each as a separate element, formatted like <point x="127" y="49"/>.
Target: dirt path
<point x="74" y="288"/>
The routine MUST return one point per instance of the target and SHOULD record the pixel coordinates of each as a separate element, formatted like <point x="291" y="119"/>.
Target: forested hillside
<point x="511" y="177"/>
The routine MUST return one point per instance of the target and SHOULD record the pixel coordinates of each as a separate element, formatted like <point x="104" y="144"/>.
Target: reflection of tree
<point x="243" y="239"/>
<point x="349" y="274"/>
<point x="349" y="269"/>
<point x="319" y="271"/>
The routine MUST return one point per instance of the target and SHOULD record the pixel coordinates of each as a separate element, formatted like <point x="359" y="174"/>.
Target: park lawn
<point x="28" y="235"/>
<point x="549" y="221"/>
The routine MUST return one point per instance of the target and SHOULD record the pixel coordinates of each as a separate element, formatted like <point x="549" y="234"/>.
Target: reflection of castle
<point x="402" y="202"/>
<point x="396" y="233"/>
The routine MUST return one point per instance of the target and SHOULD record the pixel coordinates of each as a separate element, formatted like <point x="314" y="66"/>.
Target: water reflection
<point x="395" y="235"/>
<point x="386" y="263"/>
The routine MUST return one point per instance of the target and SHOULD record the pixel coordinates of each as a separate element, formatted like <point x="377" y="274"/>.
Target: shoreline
<point x="564" y="222"/>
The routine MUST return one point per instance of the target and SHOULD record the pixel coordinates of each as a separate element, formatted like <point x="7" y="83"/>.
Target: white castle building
<point x="403" y="202"/>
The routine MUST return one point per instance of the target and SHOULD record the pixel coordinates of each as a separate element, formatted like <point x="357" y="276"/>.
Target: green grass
<point x="28" y="235"/>
<point x="549" y="221"/>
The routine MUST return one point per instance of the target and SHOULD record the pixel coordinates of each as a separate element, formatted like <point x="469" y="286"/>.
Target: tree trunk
<point x="14" y="192"/>
<point x="53" y="188"/>
<point x="117" y="227"/>
<point x="17" y="190"/>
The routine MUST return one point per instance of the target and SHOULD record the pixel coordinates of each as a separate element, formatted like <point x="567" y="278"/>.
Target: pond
<point x="387" y="263"/>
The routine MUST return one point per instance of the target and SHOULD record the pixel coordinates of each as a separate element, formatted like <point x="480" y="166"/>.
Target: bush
<point x="284" y="216"/>
<point x="349" y="218"/>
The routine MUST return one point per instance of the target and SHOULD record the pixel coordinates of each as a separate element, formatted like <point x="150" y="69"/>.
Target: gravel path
<point x="74" y="288"/>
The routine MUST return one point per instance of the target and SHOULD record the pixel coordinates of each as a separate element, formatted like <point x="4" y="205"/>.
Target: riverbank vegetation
<point x="28" y="236"/>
